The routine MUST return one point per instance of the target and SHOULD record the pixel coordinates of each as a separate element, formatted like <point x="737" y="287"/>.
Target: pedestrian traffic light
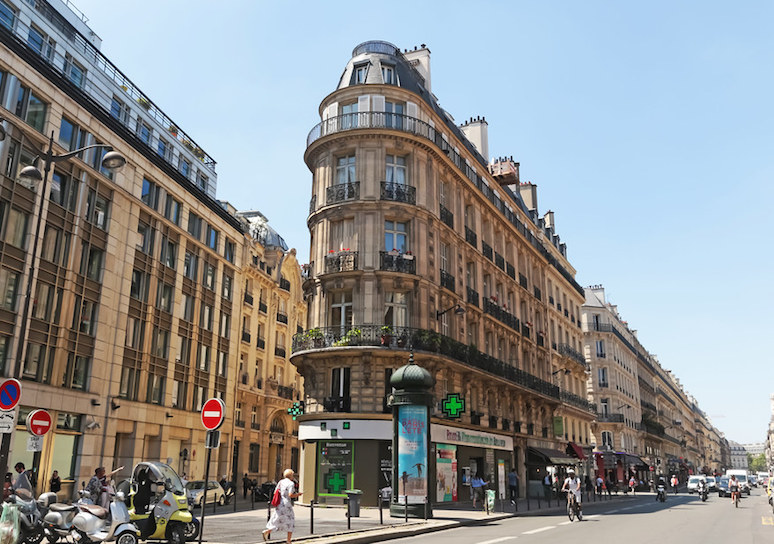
<point x="297" y="409"/>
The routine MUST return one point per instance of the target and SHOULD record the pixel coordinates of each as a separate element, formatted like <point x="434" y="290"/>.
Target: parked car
<point x="723" y="487"/>
<point x="712" y="483"/>
<point x="195" y="492"/>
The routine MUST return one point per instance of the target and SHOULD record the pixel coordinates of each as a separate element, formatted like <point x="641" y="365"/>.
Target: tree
<point x="757" y="463"/>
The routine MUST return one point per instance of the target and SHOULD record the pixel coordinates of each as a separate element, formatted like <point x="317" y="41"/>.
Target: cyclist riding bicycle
<point x="733" y="487"/>
<point x="572" y="485"/>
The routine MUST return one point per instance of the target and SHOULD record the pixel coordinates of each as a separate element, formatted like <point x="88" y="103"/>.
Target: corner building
<point x="419" y="243"/>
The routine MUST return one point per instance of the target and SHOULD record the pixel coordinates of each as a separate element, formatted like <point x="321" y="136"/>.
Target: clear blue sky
<point x="646" y="126"/>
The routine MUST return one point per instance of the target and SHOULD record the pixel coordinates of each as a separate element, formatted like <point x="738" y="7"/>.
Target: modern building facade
<point x="418" y="243"/>
<point x="138" y="278"/>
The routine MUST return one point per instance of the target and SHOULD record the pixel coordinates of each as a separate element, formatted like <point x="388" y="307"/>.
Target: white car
<point x="693" y="483"/>
<point x="195" y="492"/>
<point x="712" y="483"/>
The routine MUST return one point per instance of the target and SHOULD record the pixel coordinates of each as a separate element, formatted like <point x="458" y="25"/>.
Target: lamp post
<point x="458" y="310"/>
<point x="31" y="176"/>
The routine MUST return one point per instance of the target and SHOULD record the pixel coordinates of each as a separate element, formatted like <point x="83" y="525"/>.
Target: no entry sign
<point x="10" y="391"/>
<point x="39" y="422"/>
<point x="213" y="414"/>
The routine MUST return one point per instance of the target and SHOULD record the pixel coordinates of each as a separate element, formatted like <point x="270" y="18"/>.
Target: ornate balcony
<point x="337" y="404"/>
<point x="398" y="192"/>
<point x="499" y="261"/>
<point x="472" y="296"/>
<point x="471" y="237"/>
<point x="510" y="270"/>
<point x="284" y="284"/>
<point x="610" y="418"/>
<point x="486" y="249"/>
<point x="501" y="314"/>
<point x="397" y="262"/>
<point x="341" y="192"/>
<point x="282" y="318"/>
<point x="572" y="353"/>
<point x="447" y="280"/>
<point x="522" y="280"/>
<point x="343" y="261"/>
<point x="447" y="216"/>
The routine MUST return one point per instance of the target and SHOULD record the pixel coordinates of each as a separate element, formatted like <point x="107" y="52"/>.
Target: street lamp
<point x="30" y="176"/>
<point x="458" y="310"/>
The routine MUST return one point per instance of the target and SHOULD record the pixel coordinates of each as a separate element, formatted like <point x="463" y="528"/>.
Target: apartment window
<point x="172" y="210"/>
<point x="155" y="393"/>
<point x="228" y="289"/>
<point x="254" y="461"/>
<point x="395" y="309"/>
<point x="395" y="236"/>
<point x="130" y="382"/>
<point x="185" y="167"/>
<point x="16" y="228"/>
<point x="201" y="181"/>
<point x="393" y="114"/>
<point x="198" y="399"/>
<point x="348" y="116"/>
<point x="169" y="253"/>
<point x="361" y="71"/>
<point x="77" y="372"/>
<point x="68" y="134"/>
<point x="178" y="394"/>
<point x="342" y="234"/>
<point x="341" y="310"/>
<point x="195" y="225"/>
<point x="225" y="324"/>
<point x="607" y="439"/>
<point x="208" y="277"/>
<point x="74" y="71"/>
<point x="388" y="74"/>
<point x="64" y="190"/>
<point x="144" y="131"/>
<point x="604" y="407"/>
<point x="97" y="210"/>
<point x="190" y="265"/>
<point x="340" y="380"/>
<point x="7" y="15"/>
<point x="147" y="236"/>
<point x="212" y="238"/>
<point x="37" y="362"/>
<point x="206" y="316"/>
<point x="9" y="285"/>
<point x="91" y="262"/>
<point x="139" y="287"/>
<point x="31" y="108"/>
<point x="204" y="357"/>
<point x="222" y="366"/>
<point x="165" y="297"/>
<point x="163" y="148"/>
<point x="602" y="374"/>
<point x="99" y="154"/>
<point x="183" y="350"/>
<point x="396" y="169"/>
<point x="160" y="344"/>
<point x="345" y="169"/>
<point x="445" y="251"/>
<point x="135" y="333"/>
<point x="229" y="250"/>
<point x="85" y="316"/>
<point x="119" y="110"/>
<point x="41" y="43"/>
<point x="600" y="344"/>
<point x="188" y="307"/>
<point x="150" y="193"/>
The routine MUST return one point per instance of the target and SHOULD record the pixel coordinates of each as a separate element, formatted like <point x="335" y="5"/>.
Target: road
<point x="682" y="519"/>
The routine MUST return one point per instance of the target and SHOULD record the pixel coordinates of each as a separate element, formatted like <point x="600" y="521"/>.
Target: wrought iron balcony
<point x="398" y="192"/>
<point x="540" y="340"/>
<point x="260" y="342"/>
<point x="341" y="192"/>
<point x="239" y="423"/>
<point x="262" y="306"/>
<point x="254" y="425"/>
<point x="447" y="280"/>
<point x="282" y="318"/>
<point x="486" y="249"/>
<point x="471" y="237"/>
<point x="610" y="418"/>
<point x="501" y="314"/>
<point x="245" y="336"/>
<point x="575" y="400"/>
<point x="279" y="352"/>
<point x="337" y="404"/>
<point x="510" y="270"/>
<point x="343" y="261"/>
<point x="472" y="296"/>
<point x="248" y="299"/>
<point x="284" y="284"/>
<point x="397" y="262"/>
<point x="285" y="392"/>
<point x="499" y="261"/>
<point x="525" y="330"/>
<point x="568" y="351"/>
<point x="522" y="280"/>
<point x="447" y="216"/>
<point x="538" y="294"/>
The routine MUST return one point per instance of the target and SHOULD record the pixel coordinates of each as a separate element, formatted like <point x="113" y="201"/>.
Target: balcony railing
<point x="575" y="400"/>
<point x="471" y="237"/>
<point x="610" y="418"/>
<point x="343" y="261"/>
<point x="337" y="404"/>
<point x="447" y="280"/>
<point x="279" y="352"/>
<point x="284" y="284"/>
<point x="523" y="280"/>
<point x="260" y="343"/>
<point x="239" y="423"/>
<point x="538" y="294"/>
<point x="262" y="306"/>
<point x="568" y="351"/>
<point x="447" y="216"/>
<point x="245" y="336"/>
<point x="486" y="249"/>
<point x="604" y="384"/>
<point x="499" y="261"/>
<point x="398" y="192"/>
<point x="249" y="299"/>
<point x="525" y="330"/>
<point x="397" y="262"/>
<point x="420" y="339"/>
<point x="282" y="318"/>
<point x="285" y="392"/>
<point x="472" y="296"/>
<point x="341" y="192"/>
<point x="501" y="314"/>
<point x="254" y="425"/>
<point x="510" y="270"/>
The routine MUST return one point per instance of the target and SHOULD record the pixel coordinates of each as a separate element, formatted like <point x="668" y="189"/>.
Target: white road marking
<point x="565" y="523"/>
<point x="612" y="511"/>
<point x="534" y="531"/>
<point x="592" y="516"/>
<point x="503" y="539"/>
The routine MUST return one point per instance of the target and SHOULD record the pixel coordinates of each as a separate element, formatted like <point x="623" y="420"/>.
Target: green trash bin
<point x="353" y="500"/>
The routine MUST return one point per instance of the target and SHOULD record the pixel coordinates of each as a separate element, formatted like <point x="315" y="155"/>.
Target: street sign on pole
<point x="213" y="440"/>
<point x="35" y="443"/>
<point x="213" y="414"/>
<point x="7" y="418"/>
<point x="10" y="392"/>
<point x="39" y="422"/>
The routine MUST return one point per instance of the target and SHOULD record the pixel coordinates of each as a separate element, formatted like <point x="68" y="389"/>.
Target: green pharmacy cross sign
<point x="453" y="405"/>
<point x="297" y="409"/>
<point x="335" y="482"/>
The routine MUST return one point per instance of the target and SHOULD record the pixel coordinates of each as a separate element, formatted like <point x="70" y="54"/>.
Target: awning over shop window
<point x="575" y="449"/>
<point x="548" y="457"/>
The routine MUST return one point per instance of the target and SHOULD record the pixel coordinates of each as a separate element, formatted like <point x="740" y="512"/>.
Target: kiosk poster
<point x="335" y="471"/>
<point x="412" y="454"/>
<point x="446" y="473"/>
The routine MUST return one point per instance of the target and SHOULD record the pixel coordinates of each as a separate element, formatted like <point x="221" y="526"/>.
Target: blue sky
<point x="646" y="126"/>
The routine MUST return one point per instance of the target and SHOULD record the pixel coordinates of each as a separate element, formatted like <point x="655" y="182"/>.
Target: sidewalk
<point x="330" y="523"/>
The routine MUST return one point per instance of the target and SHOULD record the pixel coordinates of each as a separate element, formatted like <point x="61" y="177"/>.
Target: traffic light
<point x="297" y="409"/>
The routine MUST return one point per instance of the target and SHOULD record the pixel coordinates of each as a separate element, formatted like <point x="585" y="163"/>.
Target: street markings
<point x="535" y="531"/>
<point x="767" y="520"/>
<point x="503" y="539"/>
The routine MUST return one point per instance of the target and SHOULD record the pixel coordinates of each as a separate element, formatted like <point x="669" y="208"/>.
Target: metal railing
<point x="248" y="299"/>
<point x="501" y="314"/>
<point x="343" y="261"/>
<point x="568" y="351"/>
<point x="398" y="192"/>
<point x="471" y="237"/>
<point x="400" y="262"/>
<point x="284" y="284"/>
<point x="610" y="418"/>
<point x="510" y="270"/>
<point x="486" y="250"/>
<point x="499" y="261"/>
<point x="342" y="192"/>
<point x="522" y="280"/>
<point x="447" y="280"/>
<point x="282" y="318"/>
<point x="447" y="216"/>
<point x="472" y="296"/>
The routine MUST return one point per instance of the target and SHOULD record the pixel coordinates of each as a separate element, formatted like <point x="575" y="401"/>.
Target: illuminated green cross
<point x="335" y="482"/>
<point x="453" y="405"/>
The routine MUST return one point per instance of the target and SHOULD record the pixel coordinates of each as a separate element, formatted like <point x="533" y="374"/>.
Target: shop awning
<point x="635" y="461"/>
<point x="548" y="457"/>
<point x="575" y="449"/>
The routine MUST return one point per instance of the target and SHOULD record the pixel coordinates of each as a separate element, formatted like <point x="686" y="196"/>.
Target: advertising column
<point x="412" y="454"/>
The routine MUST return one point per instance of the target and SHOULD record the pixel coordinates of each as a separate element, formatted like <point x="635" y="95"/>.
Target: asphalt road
<point x="682" y="519"/>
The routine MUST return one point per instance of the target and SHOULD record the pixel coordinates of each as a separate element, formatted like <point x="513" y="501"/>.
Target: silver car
<point x="195" y="492"/>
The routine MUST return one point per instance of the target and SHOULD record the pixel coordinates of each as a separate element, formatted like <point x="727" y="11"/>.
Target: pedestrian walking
<point x="283" y="518"/>
<point x="547" y="486"/>
<point x="513" y="485"/>
<point x="600" y="485"/>
<point x="633" y="485"/>
<point x="477" y="485"/>
<point x="246" y="483"/>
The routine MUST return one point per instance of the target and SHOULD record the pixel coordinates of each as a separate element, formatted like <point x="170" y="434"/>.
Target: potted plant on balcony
<point x="427" y="340"/>
<point x="386" y="332"/>
<point x="351" y="338"/>
<point x="142" y="101"/>
<point x="316" y="337"/>
<point x="173" y="130"/>
<point x="408" y="256"/>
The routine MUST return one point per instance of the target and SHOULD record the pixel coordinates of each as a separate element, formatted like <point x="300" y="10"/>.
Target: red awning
<point x="575" y="449"/>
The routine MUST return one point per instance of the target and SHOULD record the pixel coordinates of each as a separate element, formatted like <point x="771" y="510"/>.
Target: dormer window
<point x="388" y="75"/>
<point x="361" y="72"/>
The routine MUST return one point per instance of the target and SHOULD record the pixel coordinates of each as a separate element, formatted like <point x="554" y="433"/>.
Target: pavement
<point x="330" y="522"/>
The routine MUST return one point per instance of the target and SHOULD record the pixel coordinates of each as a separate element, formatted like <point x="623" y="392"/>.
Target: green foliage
<point x="757" y="463"/>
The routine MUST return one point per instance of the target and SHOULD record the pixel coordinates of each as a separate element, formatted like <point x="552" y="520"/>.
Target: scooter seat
<point x="56" y="507"/>
<point x="95" y="510"/>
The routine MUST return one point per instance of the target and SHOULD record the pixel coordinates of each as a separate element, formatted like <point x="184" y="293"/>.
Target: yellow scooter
<point x="158" y="504"/>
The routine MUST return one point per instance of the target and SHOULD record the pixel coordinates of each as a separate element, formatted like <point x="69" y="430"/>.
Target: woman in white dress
<point x="283" y="518"/>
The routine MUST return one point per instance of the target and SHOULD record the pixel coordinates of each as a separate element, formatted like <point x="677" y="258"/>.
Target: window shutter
<point x="412" y="110"/>
<point x="363" y="103"/>
<point x="378" y="103"/>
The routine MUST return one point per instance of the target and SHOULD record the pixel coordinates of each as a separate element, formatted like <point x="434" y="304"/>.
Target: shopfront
<point x="551" y="462"/>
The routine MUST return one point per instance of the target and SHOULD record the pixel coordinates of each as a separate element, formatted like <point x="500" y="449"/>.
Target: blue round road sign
<point x="10" y="392"/>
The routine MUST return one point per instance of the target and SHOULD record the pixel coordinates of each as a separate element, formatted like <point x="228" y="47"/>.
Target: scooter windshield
<point x="166" y="474"/>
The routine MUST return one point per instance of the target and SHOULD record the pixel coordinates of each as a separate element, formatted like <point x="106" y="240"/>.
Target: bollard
<point x="311" y="517"/>
<point x="381" y="515"/>
<point x="252" y="499"/>
<point x="405" y="506"/>
<point x="426" y="501"/>
<point x="349" y="518"/>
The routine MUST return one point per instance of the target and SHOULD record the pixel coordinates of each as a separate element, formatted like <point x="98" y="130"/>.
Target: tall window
<point x="172" y="209"/>
<point x="160" y="345"/>
<point x="600" y="348"/>
<point x="64" y="190"/>
<point x="30" y="108"/>
<point x="388" y="74"/>
<point x="119" y="110"/>
<point x="16" y="228"/>
<point x="38" y="362"/>
<point x="92" y="260"/>
<point x="341" y="310"/>
<point x="194" y="225"/>
<point x="212" y="238"/>
<point x="135" y="333"/>
<point x="150" y="193"/>
<point x="190" y="265"/>
<point x="395" y="236"/>
<point x="185" y="167"/>
<point x="85" y="318"/>
<point x="130" y="382"/>
<point x="208" y="277"/>
<point x="9" y="285"/>
<point x="97" y="210"/>
<point x="470" y="275"/>
<point x="395" y="309"/>
<point x="7" y="15"/>
<point x="340" y="380"/>
<point x="342" y="234"/>
<point x="445" y="251"/>
<point x="607" y="439"/>
<point x="349" y="116"/>
<point x="396" y="169"/>
<point x="41" y="43"/>
<point x="163" y="148"/>
<point x="144" y="132"/>
<point x="602" y="372"/>
<point x="68" y="134"/>
<point x="169" y="253"/>
<point x="165" y="297"/>
<point x="345" y="169"/>
<point x="155" y="393"/>
<point x="74" y="71"/>
<point x="361" y="71"/>
<point x="77" y="372"/>
<point x="393" y="115"/>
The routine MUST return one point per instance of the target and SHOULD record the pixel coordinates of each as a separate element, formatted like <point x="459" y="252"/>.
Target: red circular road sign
<point x="10" y="392"/>
<point x="39" y="422"/>
<point x="213" y="414"/>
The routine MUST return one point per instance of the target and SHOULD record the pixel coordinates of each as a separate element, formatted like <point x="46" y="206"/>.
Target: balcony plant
<point x="351" y="338"/>
<point x="427" y="340"/>
<point x="142" y="101"/>
<point x="173" y="130"/>
<point x="386" y="332"/>
<point x="316" y="337"/>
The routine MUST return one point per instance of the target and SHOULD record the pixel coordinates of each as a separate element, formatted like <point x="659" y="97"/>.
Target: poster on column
<point x="446" y="473"/>
<point x="412" y="454"/>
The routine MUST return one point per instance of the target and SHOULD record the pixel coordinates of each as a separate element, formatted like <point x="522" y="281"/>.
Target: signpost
<point x="213" y="415"/>
<point x="10" y="392"/>
<point x="39" y="422"/>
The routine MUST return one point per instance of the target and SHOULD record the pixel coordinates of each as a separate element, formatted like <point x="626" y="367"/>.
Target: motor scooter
<point x="58" y="521"/>
<point x="703" y="493"/>
<point x="661" y="492"/>
<point x="30" y="526"/>
<point x="94" y="524"/>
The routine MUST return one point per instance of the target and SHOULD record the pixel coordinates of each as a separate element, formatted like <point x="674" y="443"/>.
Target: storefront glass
<point x="334" y="473"/>
<point x="446" y="473"/>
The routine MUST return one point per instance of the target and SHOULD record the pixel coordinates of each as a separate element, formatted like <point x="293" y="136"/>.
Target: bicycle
<point x="735" y="498"/>
<point x="573" y="508"/>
